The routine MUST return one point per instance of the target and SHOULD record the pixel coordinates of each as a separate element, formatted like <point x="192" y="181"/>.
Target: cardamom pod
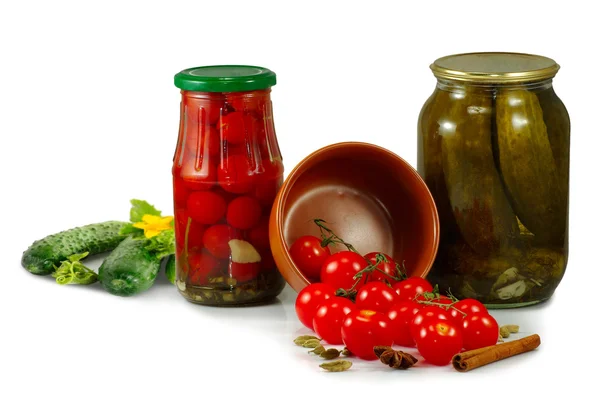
<point x="311" y="343"/>
<point x="512" y="328"/>
<point x="318" y="350"/>
<point x="336" y="366"/>
<point x="508" y="329"/>
<point x="303" y="338"/>
<point x="346" y="352"/>
<point x="330" y="353"/>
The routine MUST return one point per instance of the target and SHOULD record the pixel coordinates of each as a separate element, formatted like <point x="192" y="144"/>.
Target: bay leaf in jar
<point x="545" y="265"/>
<point x="480" y="207"/>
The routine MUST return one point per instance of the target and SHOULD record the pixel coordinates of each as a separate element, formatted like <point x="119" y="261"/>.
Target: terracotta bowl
<point x="369" y="196"/>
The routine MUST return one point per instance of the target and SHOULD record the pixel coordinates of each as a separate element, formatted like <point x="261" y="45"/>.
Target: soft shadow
<point x="266" y="315"/>
<point x="530" y="319"/>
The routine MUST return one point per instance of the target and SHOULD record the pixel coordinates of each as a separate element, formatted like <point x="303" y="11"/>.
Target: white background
<point x="88" y="120"/>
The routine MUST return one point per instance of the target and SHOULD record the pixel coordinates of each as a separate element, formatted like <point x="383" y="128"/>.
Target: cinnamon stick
<point x="470" y="360"/>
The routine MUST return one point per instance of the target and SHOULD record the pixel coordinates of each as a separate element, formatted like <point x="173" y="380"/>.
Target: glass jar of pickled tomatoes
<point x="227" y="170"/>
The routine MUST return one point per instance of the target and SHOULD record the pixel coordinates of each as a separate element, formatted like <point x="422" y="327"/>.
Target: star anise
<point x="394" y="359"/>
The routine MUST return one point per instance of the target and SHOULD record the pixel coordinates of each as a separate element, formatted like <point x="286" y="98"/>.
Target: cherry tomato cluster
<point x="227" y="171"/>
<point x="346" y="270"/>
<point x="339" y="270"/>
<point x="407" y="313"/>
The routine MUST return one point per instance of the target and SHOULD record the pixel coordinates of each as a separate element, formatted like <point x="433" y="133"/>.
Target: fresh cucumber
<point x="129" y="269"/>
<point x="43" y="255"/>
<point x="170" y="268"/>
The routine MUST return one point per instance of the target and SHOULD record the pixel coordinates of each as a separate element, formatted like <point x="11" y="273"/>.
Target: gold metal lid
<point x="494" y="67"/>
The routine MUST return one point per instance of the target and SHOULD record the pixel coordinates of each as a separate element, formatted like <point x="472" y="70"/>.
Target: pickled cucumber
<point x="558" y="126"/>
<point x="479" y="204"/>
<point x="528" y="166"/>
<point x="429" y="162"/>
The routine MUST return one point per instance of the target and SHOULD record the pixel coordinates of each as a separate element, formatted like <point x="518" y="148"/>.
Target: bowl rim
<point x="297" y="172"/>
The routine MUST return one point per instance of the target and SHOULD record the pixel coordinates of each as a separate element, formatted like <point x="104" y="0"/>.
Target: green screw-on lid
<point x="225" y="78"/>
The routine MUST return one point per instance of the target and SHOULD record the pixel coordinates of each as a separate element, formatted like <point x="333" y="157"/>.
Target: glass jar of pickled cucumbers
<point x="494" y="152"/>
<point x="227" y="170"/>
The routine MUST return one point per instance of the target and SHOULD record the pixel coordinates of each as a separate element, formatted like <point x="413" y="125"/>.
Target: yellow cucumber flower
<point x="153" y="225"/>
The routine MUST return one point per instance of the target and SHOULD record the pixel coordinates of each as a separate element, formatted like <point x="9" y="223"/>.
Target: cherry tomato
<point x="327" y="322"/>
<point x="206" y="207"/>
<point x="181" y="220"/>
<point x="438" y="341"/>
<point x="211" y="111"/>
<point x="202" y="112"/>
<point x="266" y="190"/>
<point x="235" y="174"/>
<point x="202" y="266"/>
<point x="364" y="329"/>
<point x="465" y="307"/>
<point x="244" y="104"/>
<point x="243" y="272"/>
<point x="411" y="287"/>
<point x="227" y="196"/>
<point x="309" y="298"/>
<point x="267" y="262"/>
<point x="232" y="127"/>
<point x="259" y="235"/>
<point x="479" y="330"/>
<point x="389" y="267"/>
<point x="209" y="139"/>
<point x="243" y="212"/>
<point x="339" y="269"/>
<point x="195" y="235"/>
<point x="401" y="315"/>
<point x="376" y="296"/>
<point x="309" y="256"/>
<point x="426" y="314"/>
<point x="180" y="194"/>
<point x="199" y="179"/>
<point x="216" y="240"/>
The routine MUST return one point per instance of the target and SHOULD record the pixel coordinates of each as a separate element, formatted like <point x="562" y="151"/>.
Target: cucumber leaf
<point x="139" y="208"/>
<point x="72" y="271"/>
<point x="170" y="269"/>
<point x="163" y="244"/>
<point x="160" y="245"/>
<point x="128" y="229"/>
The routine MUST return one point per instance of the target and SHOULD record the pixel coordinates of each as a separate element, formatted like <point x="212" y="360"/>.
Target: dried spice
<point x="346" y="352"/>
<point x="326" y="354"/>
<point x="473" y="359"/>
<point x="303" y="338"/>
<point x="318" y="350"/>
<point x="311" y="343"/>
<point x="394" y="359"/>
<point x="330" y="353"/>
<point x="508" y="329"/>
<point x="336" y="366"/>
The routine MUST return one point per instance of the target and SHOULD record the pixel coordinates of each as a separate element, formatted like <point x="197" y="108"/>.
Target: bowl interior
<point x="370" y="197"/>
